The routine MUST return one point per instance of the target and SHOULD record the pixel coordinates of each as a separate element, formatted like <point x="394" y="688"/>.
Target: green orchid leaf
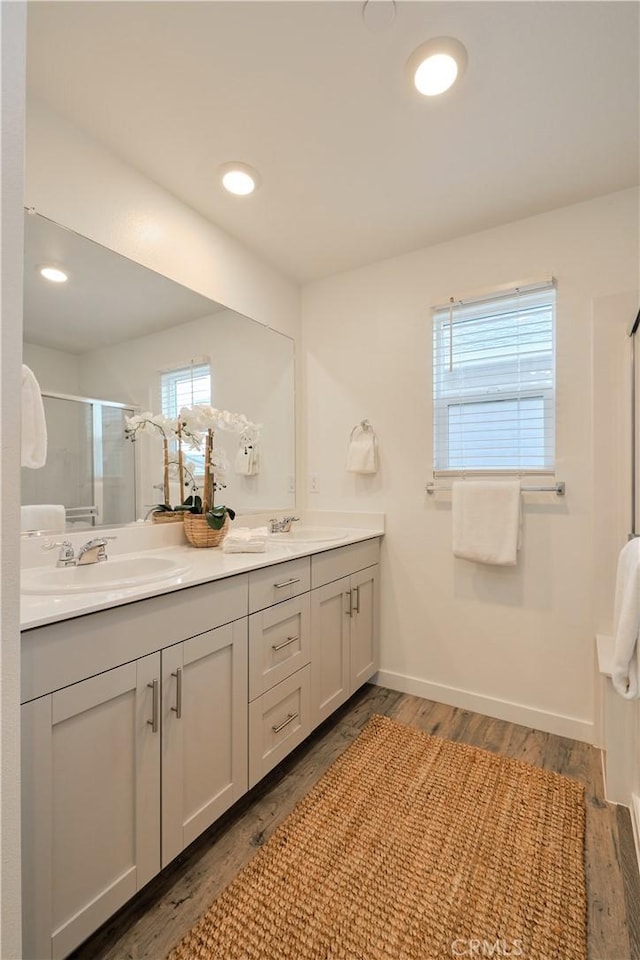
<point x="215" y="518"/>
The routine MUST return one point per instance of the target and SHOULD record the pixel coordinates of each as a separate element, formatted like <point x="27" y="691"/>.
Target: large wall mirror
<point x="104" y="344"/>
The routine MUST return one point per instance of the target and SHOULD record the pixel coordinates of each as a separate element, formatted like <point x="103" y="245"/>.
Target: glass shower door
<point x="90" y="466"/>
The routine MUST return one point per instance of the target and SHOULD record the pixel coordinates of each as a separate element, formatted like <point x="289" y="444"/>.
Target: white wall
<point x="12" y="55"/>
<point x="513" y="642"/>
<point x="252" y="373"/>
<point x="55" y="370"/>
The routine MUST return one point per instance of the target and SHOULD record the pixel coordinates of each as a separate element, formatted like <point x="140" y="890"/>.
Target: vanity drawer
<point x="278" y="721"/>
<point x="279" y="582"/>
<point x="279" y="643"/>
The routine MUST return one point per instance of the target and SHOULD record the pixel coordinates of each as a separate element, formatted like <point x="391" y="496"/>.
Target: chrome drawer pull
<point x="285" y="643"/>
<point x="285" y="723"/>
<point x="286" y="583"/>
<point x="154" y="723"/>
<point x="357" y="604"/>
<point x="350" y="610"/>
<point x="178" y="707"/>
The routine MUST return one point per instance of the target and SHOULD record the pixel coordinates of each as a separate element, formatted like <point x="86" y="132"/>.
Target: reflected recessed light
<point x="239" y="178"/>
<point x="436" y="65"/>
<point x="54" y="274"/>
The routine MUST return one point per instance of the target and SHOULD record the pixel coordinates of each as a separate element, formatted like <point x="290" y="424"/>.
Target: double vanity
<point x="158" y="694"/>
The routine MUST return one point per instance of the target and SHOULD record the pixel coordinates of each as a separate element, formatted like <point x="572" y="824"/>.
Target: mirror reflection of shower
<point x="90" y="466"/>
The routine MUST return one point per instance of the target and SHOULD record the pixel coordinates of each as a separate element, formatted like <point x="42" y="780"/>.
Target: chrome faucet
<point x="283" y="525"/>
<point x="94" y="551"/>
<point x="66" y="557"/>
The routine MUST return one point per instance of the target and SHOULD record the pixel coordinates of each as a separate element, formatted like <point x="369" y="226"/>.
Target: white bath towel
<point x="34" y="426"/>
<point x="362" y="456"/>
<point x="626" y="622"/>
<point x="43" y="516"/>
<point x="486" y="521"/>
<point x="245" y="540"/>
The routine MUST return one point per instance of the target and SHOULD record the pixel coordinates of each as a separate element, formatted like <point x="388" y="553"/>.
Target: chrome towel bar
<point x="558" y="488"/>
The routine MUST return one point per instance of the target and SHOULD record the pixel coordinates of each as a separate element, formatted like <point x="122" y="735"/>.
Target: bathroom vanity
<point x="143" y="722"/>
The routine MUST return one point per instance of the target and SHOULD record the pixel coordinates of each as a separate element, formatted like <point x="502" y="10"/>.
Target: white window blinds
<point x="494" y="382"/>
<point x="185" y="387"/>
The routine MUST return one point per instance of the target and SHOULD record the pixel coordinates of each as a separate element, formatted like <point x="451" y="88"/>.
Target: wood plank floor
<point x="150" y="925"/>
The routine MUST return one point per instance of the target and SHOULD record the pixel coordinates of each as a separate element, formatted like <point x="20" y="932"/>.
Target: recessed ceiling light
<point x="54" y="274"/>
<point x="239" y="178"/>
<point x="436" y="65"/>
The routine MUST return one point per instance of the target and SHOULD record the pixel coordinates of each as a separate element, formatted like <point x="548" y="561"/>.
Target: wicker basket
<point x="164" y="516"/>
<point x="200" y="534"/>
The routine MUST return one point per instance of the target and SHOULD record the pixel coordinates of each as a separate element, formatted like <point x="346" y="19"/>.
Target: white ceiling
<point x="354" y="166"/>
<point x="107" y="300"/>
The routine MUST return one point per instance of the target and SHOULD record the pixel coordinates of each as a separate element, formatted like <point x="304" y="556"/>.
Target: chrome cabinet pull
<point x="285" y="723"/>
<point x="286" y="583"/>
<point x="178" y="707"/>
<point x="285" y="643"/>
<point x="154" y="723"/>
<point x="350" y="610"/>
<point x="357" y="606"/>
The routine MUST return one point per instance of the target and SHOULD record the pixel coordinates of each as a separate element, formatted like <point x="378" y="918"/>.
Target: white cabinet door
<point x="364" y="627"/>
<point x="330" y="659"/>
<point x="91" y="803"/>
<point x="204" y="742"/>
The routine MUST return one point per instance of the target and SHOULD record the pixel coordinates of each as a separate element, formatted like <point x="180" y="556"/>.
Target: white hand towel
<point x="247" y="462"/>
<point x="626" y="622"/>
<point x="43" y="516"/>
<point x="362" y="456"/>
<point x="34" y="426"/>
<point x="245" y="540"/>
<point x="486" y="521"/>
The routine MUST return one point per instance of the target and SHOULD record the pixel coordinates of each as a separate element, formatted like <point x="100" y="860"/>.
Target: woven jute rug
<point x="414" y="848"/>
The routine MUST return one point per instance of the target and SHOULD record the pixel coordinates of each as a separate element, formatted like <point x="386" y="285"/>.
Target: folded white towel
<point x="626" y="622"/>
<point x="247" y="533"/>
<point x="362" y="456"/>
<point x="245" y="540"/>
<point x="244" y="546"/>
<point x="43" y="516"/>
<point x="486" y="521"/>
<point x="34" y="426"/>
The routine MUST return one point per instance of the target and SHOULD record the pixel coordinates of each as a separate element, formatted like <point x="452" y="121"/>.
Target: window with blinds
<point x="185" y="387"/>
<point x="494" y="382"/>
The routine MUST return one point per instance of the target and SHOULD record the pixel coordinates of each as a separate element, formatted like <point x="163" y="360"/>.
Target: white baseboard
<point x="559" y="724"/>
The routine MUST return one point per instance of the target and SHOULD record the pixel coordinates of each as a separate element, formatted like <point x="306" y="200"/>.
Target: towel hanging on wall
<point x="626" y="622"/>
<point x="362" y="456"/>
<point x="486" y="519"/>
<point x="247" y="462"/>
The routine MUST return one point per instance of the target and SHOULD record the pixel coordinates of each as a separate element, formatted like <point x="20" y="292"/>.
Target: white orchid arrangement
<point x="196" y="426"/>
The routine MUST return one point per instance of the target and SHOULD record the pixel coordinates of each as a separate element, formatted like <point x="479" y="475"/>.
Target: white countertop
<point x="204" y="566"/>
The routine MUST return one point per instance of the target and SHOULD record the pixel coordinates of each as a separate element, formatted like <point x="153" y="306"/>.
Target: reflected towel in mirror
<point x="34" y="425"/>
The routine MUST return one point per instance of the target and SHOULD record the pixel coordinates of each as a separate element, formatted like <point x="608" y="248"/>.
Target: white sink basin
<point x="309" y="535"/>
<point x="117" y="574"/>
